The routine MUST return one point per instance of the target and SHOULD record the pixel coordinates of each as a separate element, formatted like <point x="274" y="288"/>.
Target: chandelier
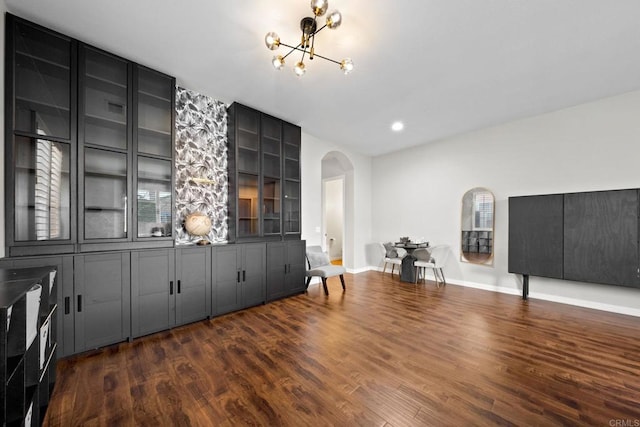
<point x="309" y="27"/>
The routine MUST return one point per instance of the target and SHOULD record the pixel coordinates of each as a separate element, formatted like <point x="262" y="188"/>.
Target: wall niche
<point x="201" y="164"/>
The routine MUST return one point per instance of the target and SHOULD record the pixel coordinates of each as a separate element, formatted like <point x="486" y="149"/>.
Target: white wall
<point x="357" y="231"/>
<point x="594" y="146"/>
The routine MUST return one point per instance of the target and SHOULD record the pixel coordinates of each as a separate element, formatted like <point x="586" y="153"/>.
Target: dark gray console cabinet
<point x="601" y="237"/>
<point x="239" y="272"/>
<point x="587" y="237"/>
<point x="152" y="291"/>
<point x="285" y="268"/>
<point x="169" y="288"/>
<point x="536" y="235"/>
<point x="102" y="292"/>
<point x="194" y="284"/>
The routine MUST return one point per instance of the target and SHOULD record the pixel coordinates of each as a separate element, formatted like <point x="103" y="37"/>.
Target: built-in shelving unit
<point x="264" y="172"/>
<point x="28" y="346"/>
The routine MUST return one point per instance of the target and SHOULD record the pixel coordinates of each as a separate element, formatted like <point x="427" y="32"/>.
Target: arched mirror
<point x="478" y="207"/>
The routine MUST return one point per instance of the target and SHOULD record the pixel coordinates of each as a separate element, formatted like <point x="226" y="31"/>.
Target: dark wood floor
<point x="384" y="353"/>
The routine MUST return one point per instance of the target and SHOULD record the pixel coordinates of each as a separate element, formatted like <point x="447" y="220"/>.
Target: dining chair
<point x="434" y="258"/>
<point x="393" y="256"/>
<point x="319" y="265"/>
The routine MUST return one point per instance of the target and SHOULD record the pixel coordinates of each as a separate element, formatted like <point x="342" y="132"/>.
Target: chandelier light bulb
<point x="278" y="62"/>
<point x="334" y="20"/>
<point x="319" y="7"/>
<point x="299" y="69"/>
<point x="272" y="40"/>
<point x="346" y="65"/>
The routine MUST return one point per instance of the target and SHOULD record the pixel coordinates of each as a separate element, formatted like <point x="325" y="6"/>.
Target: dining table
<point x="407" y="270"/>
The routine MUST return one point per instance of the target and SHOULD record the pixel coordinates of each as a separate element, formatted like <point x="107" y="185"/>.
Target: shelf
<point x="54" y="347"/>
<point x="153" y="132"/>
<point x="13" y="365"/>
<point x="103" y="121"/>
<point x="46" y="106"/>
<point x="107" y="81"/>
<point x="104" y="174"/>
<point x="250" y="149"/>
<point x="45" y="61"/>
<point x="103" y="209"/>
<point x="142" y="178"/>
<point x="153" y="96"/>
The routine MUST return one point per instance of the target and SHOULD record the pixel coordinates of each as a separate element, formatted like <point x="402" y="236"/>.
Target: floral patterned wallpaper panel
<point x="201" y="164"/>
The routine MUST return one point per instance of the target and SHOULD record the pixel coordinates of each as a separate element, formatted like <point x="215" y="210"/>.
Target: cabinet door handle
<point x="179" y="287"/>
<point x="238" y="276"/>
<point x="79" y="303"/>
<point x="285" y="269"/>
<point x="67" y="305"/>
<point x="171" y="287"/>
<point x="244" y="276"/>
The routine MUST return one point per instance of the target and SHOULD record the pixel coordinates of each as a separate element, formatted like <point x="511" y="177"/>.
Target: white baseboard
<point x="541" y="296"/>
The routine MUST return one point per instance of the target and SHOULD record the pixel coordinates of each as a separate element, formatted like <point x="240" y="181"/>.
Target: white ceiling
<point x="443" y="67"/>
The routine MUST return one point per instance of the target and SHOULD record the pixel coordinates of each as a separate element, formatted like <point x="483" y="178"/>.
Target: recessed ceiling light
<point x="397" y="126"/>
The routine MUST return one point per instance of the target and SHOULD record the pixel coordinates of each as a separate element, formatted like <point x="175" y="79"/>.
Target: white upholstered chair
<point x="434" y="258"/>
<point x="319" y="265"/>
<point x="392" y="256"/>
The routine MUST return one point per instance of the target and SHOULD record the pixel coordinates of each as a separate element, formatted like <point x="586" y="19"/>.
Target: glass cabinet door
<point x="154" y="199"/>
<point x="154" y="114"/>
<point x="271" y="205"/>
<point x="105" y="194"/>
<point x="42" y="82"/>
<point x="248" y="140"/>
<point x="248" y="205"/>
<point x="271" y="165"/>
<point x="103" y="130"/>
<point x="42" y="190"/>
<point x="105" y="100"/>
<point x="154" y="154"/>
<point x="291" y="136"/>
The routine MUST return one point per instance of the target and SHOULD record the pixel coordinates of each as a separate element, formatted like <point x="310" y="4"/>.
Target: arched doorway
<point x="337" y="207"/>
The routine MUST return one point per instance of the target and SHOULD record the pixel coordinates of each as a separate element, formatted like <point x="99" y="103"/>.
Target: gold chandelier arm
<point x="306" y="51"/>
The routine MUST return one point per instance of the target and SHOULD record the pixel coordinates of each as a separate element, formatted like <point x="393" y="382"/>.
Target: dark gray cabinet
<point x="104" y="133"/>
<point x="102" y="304"/>
<point x="154" y="117"/>
<point x="291" y="144"/>
<point x="89" y="147"/>
<point x="168" y="288"/>
<point x="601" y="237"/>
<point x="239" y="272"/>
<point x="193" y="281"/>
<point x="285" y="268"/>
<point x="536" y="235"/>
<point x="587" y="237"/>
<point x="264" y="176"/>
<point x="125" y="153"/>
<point x="40" y="140"/>
<point x="152" y="291"/>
